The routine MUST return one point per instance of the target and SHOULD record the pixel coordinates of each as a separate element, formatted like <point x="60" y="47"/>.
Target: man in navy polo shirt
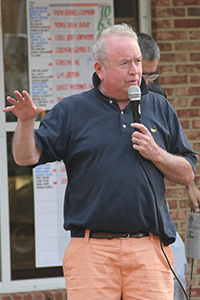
<point x="115" y="203"/>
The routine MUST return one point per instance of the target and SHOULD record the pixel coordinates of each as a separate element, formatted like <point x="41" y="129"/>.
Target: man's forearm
<point x="175" y="168"/>
<point x="25" y="151"/>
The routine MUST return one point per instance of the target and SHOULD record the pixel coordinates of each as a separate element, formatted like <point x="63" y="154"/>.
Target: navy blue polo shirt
<point x="108" y="189"/>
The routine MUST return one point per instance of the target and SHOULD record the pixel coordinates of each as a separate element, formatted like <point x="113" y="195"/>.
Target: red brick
<point x="188" y="91"/>
<point x="173" y="79"/>
<point x="26" y="296"/>
<point x="169" y="92"/>
<point x="172" y="204"/>
<point x="185" y="124"/>
<point x="160" y="3"/>
<point x="196" y="148"/>
<point x="16" y="296"/>
<point x="165" y="47"/>
<point x="185" y="2"/>
<point x="183" y="203"/>
<point x="193" y="11"/>
<point x="194" y="34"/>
<point x="161" y="24"/>
<point x="165" y="69"/>
<point x="183" y="225"/>
<point x="198" y="169"/>
<point x="196" y="101"/>
<point x="188" y="113"/>
<point x="37" y="295"/>
<point x="176" y="192"/>
<point x="193" y="135"/>
<point x="195" y="79"/>
<point x="196" y="124"/>
<point x="173" y="57"/>
<point x="5" y="297"/>
<point x="171" y="35"/>
<point x="174" y="214"/>
<point x="48" y="295"/>
<point x="179" y="102"/>
<point x="188" y="46"/>
<point x="187" y="23"/>
<point x="188" y="68"/>
<point x="182" y="214"/>
<point x="195" y="56"/>
<point x="169" y="12"/>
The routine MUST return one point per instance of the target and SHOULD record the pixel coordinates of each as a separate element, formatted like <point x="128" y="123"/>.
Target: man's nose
<point x="133" y="68"/>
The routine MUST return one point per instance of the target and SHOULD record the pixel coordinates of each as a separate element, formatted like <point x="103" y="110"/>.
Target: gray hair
<point x="149" y="49"/>
<point x="99" y="50"/>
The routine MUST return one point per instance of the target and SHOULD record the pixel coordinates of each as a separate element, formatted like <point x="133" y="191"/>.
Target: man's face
<point x="124" y="67"/>
<point x="149" y="68"/>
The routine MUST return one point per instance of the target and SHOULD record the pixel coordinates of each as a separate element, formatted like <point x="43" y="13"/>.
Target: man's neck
<point x="122" y="103"/>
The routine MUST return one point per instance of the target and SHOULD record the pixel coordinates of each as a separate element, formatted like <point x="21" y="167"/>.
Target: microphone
<point x="134" y="94"/>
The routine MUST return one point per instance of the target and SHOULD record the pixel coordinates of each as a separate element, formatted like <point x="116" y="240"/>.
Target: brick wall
<point x="36" y="295"/>
<point x="176" y="29"/>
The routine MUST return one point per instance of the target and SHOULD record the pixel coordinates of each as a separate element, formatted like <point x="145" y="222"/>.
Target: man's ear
<point x="98" y="68"/>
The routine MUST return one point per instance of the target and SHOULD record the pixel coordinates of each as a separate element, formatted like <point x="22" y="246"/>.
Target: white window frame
<point x="6" y="284"/>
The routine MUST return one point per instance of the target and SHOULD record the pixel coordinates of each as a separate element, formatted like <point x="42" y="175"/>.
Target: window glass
<point x="15" y="51"/>
<point x="20" y="179"/>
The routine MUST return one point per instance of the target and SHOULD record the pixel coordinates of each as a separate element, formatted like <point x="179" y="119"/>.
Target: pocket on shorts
<point x="169" y="255"/>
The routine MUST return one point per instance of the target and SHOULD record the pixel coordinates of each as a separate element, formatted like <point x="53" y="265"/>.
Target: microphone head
<point x="134" y="93"/>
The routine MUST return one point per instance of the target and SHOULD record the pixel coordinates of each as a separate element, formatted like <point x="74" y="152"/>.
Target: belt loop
<point x="87" y="236"/>
<point x="151" y="237"/>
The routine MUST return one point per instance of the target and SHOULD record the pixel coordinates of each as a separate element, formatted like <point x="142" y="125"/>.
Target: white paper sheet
<point x="192" y="237"/>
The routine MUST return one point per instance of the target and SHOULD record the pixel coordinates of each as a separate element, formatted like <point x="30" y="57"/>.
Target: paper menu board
<point x="51" y="239"/>
<point x="192" y="237"/>
<point x="60" y="46"/>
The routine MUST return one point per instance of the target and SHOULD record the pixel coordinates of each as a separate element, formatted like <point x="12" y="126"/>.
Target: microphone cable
<point x="159" y="225"/>
<point x="134" y="94"/>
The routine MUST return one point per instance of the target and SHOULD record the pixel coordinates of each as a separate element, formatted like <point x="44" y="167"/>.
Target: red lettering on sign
<point x="61" y="87"/>
<point x="58" y="12"/>
<point x="60" y="37"/>
<point x="73" y="74"/>
<point x="60" y="75"/>
<point x="72" y="25"/>
<point x="63" y="50"/>
<point x="78" y="86"/>
<point x="64" y="181"/>
<point x="63" y="62"/>
<point x="85" y="37"/>
<point x="77" y="62"/>
<point x="80" y="49"/>
<point x="84" y="24"/>
<point x="70" y="37"/>
<point x="60" y="24"/>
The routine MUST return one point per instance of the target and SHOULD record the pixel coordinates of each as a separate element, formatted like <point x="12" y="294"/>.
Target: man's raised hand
<point x="24" y="108"/>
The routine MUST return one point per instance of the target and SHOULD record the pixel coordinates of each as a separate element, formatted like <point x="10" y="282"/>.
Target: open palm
<point x="24" y="108"/>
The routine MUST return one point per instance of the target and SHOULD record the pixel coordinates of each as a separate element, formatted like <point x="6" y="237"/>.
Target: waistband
<point x="108" y="235"/>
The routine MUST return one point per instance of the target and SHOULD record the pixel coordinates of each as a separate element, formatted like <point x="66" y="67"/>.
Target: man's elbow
<point x="25" y="161"/>
<point x="189" y="178"/>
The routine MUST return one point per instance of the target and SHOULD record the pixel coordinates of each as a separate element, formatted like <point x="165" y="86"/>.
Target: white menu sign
<point x="51" y="239"/>
<point x="61" y="35"/>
